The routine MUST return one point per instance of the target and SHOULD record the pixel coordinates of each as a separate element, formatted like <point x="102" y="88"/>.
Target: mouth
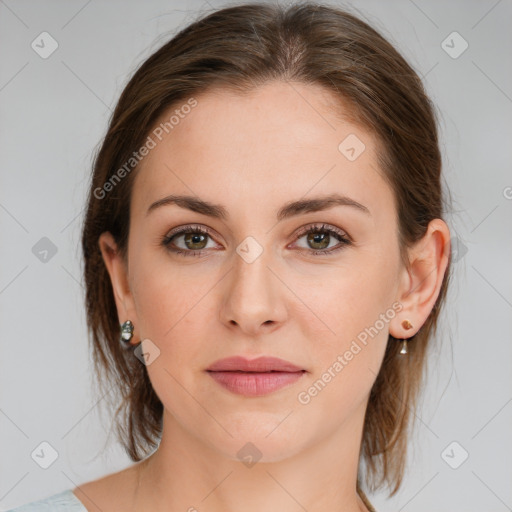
<point x="254" y="377"/>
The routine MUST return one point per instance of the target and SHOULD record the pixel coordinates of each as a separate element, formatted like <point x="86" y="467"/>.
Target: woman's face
<point x="255" y="284"/>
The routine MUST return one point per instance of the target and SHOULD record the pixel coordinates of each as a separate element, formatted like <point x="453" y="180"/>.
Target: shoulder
<point x="112" y="492"/>
<point x="64" y="501"/>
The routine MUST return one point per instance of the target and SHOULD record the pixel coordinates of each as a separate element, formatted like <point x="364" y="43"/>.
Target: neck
<point x="187" y="474"/>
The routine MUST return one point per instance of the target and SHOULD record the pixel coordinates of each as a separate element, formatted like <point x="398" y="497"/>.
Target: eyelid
<point x="189" y="227"/>
<point x="322" y="226"/>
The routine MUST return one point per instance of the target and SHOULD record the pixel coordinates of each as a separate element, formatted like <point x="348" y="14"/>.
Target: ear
<point x="118" y="272"/>
<point x="420" y="284"/>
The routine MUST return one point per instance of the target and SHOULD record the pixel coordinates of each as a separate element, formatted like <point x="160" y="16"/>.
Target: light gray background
<point x="53" y="114"/>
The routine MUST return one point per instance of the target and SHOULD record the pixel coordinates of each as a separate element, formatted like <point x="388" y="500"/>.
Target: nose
<point x="253" y="297"/>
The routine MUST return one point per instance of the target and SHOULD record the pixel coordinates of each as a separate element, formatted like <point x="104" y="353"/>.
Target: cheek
<point x="171" y="301"/>
<point x="344" y="363"/>
<point x="158" y="290"/>
<point x="352" y="313"/>
<point x="345" y="300"/>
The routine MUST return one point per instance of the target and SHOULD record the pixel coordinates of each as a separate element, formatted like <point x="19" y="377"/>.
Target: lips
<point x="255" y="377"/>
<point x="260" y="365"/>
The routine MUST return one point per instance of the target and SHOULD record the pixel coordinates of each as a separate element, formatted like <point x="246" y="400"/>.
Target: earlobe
<point x="117" y="270"/>
<point x="423" y="279"/>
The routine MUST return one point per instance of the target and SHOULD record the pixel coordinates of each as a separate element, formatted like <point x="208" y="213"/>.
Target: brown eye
<point x="318" y="240"/>
<point x="319" y="237"/>
<point x="188" y="241"/>
<point x="195" y="241"/>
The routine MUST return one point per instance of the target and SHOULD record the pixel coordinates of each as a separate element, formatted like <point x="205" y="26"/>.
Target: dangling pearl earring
<point x="406" y="325"/>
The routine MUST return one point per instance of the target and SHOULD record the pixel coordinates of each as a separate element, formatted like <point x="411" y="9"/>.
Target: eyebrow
<point x="290" y="209"/>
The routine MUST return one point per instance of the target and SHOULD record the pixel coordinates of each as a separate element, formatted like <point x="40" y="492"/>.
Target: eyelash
<point x="331" y="230"/>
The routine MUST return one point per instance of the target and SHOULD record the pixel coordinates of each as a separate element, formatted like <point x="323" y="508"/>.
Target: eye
<point x="194" y="240"/>
<point x="319" y="238"/>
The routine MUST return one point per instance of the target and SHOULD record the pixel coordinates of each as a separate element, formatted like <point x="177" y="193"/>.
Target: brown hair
<point x="241" y="47"/>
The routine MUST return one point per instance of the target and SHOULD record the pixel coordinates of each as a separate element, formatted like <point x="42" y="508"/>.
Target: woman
<point x="265" y="262"/>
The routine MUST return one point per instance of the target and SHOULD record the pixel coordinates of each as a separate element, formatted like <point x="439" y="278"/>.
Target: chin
<point x="271" y="443"/>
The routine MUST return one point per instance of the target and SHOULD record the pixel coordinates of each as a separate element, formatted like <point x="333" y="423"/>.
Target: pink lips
<point x="254" y="377"/>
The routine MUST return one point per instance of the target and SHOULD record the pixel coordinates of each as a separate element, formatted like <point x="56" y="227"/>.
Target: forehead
<point x="276" y="143"/>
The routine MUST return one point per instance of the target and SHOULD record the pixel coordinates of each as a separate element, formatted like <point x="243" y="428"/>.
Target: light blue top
<point x="64" y="501"/>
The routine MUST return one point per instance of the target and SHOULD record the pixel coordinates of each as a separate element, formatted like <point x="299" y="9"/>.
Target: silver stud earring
<point x="406" y="325"/>
<point x="126" y="332"/>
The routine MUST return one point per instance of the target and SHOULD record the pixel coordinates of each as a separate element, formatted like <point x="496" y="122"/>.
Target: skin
<point x="253" y="154"/>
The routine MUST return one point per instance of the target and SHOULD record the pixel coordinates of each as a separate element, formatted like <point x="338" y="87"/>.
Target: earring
<point x="406" y="325"/>
<point x="126" y="332"/>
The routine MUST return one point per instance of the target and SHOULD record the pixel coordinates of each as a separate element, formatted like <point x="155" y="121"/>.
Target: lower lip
<point x="255" y="384"/>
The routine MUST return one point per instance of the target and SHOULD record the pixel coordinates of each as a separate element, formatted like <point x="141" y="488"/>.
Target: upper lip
<point x="260" y="364"/>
